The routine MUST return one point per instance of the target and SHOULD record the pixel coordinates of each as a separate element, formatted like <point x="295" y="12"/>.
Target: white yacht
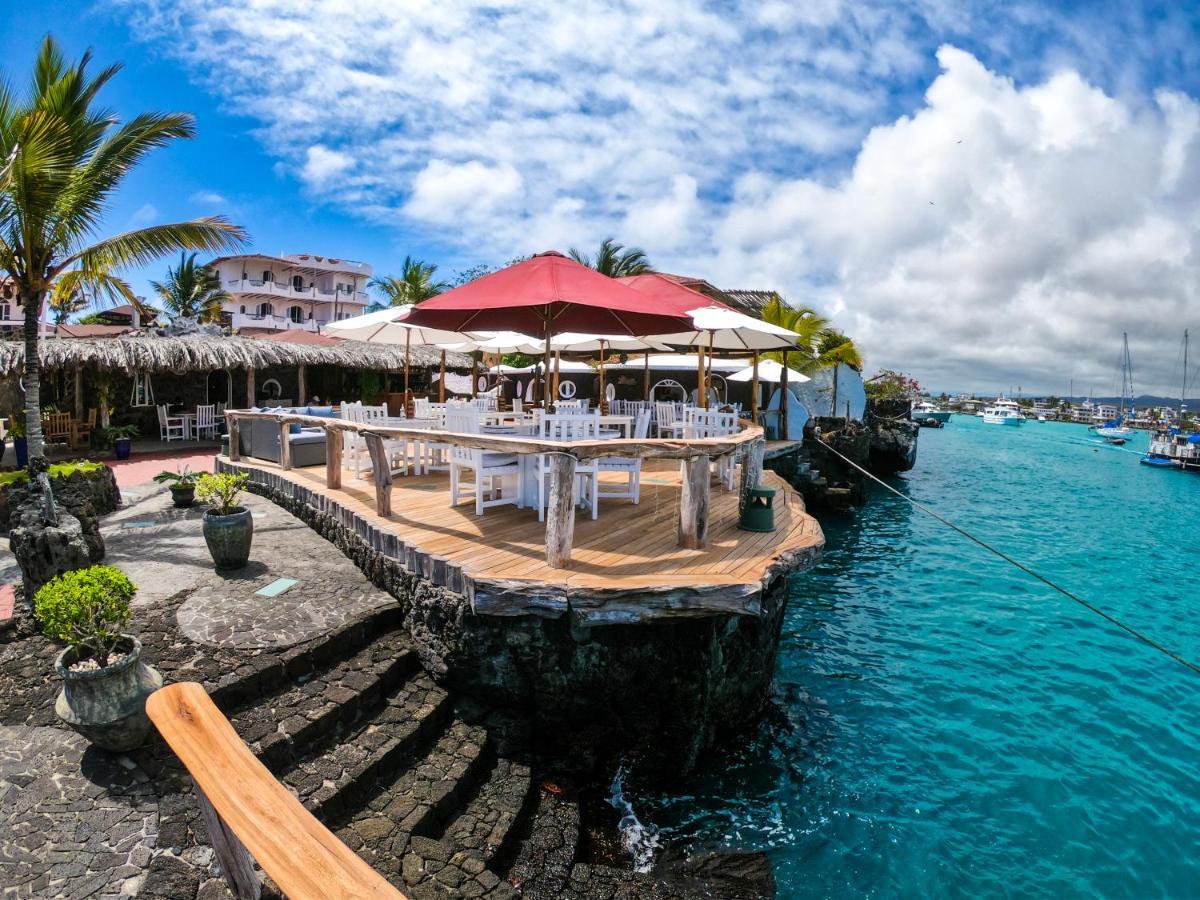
<point x="925" y="409"/>
<point x="1003" y="412"/>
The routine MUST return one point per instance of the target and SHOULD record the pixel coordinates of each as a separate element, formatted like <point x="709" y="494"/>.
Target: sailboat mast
<point x="1183" y="389"/>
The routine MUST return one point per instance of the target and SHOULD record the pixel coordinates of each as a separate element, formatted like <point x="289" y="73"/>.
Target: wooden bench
<point x="249" y="815"/>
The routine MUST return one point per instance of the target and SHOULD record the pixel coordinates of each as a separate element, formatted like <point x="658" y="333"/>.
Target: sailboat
<point x="1170" y="447"/>
<point x="1115" y="431"/>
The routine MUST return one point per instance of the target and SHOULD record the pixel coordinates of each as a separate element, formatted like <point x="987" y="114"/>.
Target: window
<point x="298" y="282"/>
<point x="268" y="275"/>
<point x="296" y="314"/>
<point x="265" y="309"/>
<point x="243" y="308"/>
<point x="5" y="311"/>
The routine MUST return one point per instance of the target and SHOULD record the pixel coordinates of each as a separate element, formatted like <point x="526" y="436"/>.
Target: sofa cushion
<point x="307" y="436"/>
<point x="294" y="428"/>
<point x="323" y="411"/>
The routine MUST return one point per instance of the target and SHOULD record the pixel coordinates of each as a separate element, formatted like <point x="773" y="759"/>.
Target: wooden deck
<point x="627" y="548"/>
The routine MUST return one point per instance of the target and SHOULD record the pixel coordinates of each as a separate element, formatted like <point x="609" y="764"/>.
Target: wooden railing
<point x="251" y="816"/>
<point x="695" y="454"/>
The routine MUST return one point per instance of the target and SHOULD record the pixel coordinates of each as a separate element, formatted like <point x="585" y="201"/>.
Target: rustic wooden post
<point x="231" y="853"/>
<point x="381" y="471"/>
<point x="646" y="377"/>
<point x="250" y="388"/>
<point x="560" y="515"/>
<point x="752" y="468"/>
<point x="442" y="380"/>
<point x="701" y="388"/>
<point x="301" y="379"/>
<point x="79" y="393"/>
<point x="235" y="450"/>
<point x="783" y="400"/>
<point x="693" y="504"/>
<point x="474" y="373"/>
<point x="285" y="445"/>
<point x="333" y="458"/>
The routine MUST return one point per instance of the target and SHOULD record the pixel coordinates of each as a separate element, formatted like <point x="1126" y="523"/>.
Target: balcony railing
<point x="277" y="323"/>
<point x="286" y="289"/>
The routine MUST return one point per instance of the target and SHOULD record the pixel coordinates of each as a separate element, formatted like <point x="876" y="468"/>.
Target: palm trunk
<point x="33" y="381"/>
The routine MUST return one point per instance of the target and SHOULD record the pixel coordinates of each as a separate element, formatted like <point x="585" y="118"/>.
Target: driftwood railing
<point x="251" y="816"/>
<point x="695" y="454"/>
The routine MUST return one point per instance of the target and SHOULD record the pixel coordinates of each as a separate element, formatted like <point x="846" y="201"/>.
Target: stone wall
<point x="85" y="494"/>
<point x="660" y="691"/>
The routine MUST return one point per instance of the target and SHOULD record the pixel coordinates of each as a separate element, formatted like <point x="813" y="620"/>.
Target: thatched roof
<point x="194" y="353"/>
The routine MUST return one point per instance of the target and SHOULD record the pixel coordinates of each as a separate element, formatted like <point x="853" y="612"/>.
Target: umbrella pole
<point x="754" y="392"/>
<point x="701" y="393"/>
<point x="646" y="377"/>
<point x="546" y="363"/>
<point x="603" y="393"/>
<point x="709" y="380"/>
<point x="442" y="381"/>
<point x="407" y="342"/>
<point x="474" y="374"/>
<point x="557" y="370"/>
<point x="783" y="400"/>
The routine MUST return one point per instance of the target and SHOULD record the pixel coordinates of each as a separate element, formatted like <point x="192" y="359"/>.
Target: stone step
<point x="340" y="771"/>
<point x="416" y="797"/>
<point x="488" y="824"/>
<point x="282" y="728"/>
<point x="542" y="869"/>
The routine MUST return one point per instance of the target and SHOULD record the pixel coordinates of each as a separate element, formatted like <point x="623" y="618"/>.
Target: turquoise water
<point x="946" y="726"/>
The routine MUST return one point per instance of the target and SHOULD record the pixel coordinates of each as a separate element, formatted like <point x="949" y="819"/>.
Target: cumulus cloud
<point x="981" y="227"/>
<point x="208" y="198"/>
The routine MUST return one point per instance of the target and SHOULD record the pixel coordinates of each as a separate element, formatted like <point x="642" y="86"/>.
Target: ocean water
<point x="944" y="725"/>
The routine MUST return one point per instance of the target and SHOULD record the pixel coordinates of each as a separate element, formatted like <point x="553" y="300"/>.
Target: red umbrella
<point x="546" y="295"/>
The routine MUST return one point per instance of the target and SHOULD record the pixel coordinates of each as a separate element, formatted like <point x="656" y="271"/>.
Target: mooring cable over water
<point x="1108" y="617"/>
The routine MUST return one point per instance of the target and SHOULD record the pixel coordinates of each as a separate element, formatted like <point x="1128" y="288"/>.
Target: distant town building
<point x="295" y="291"/>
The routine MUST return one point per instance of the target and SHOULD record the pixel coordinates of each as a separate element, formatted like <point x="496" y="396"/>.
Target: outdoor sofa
<point x="259" y="438"/>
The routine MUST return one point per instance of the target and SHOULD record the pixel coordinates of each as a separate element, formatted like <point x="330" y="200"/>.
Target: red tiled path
<point x="141" y="468"/>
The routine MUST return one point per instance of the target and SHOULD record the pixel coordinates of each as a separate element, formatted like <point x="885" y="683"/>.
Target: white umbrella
<point x="720" y="328"/>
<point x="768" y="370"/>
<point x="387" y="326"/>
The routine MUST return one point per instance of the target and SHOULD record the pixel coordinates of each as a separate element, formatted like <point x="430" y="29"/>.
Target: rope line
<point x="1108" y="617"/>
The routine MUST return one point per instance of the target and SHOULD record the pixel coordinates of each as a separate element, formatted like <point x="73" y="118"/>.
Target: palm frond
<point x="212" y="234"/>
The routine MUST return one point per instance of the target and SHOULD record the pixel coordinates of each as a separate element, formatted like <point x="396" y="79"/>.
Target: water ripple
<point x="945" y="726"/>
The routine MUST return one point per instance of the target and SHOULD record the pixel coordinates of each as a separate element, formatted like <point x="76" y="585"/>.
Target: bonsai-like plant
<point x="87" y="608"/>
<point x="184" y="476"/>
<point x="16" y="426"/>
<point x="221" y="492"/>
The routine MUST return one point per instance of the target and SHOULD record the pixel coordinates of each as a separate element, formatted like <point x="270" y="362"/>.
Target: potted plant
<point x="105" y="683"/>
<point x="183" y="485"/>
<point x="121" y="437"/>
<point x="228" y="527"/>
<point x="16" y="431"/>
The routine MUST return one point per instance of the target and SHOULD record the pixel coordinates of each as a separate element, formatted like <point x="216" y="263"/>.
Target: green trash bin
<point x="759" y="512"/>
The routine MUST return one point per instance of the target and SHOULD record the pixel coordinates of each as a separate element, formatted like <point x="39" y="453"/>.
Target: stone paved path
<point x="73" y="822"/>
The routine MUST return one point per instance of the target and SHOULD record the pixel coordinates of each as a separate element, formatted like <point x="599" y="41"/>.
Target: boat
<point x="1115" y="430"/>
<point x="1003" y="412"/>
<point x="1171" y="447"/>
<point x="1041" y="418"/>
<point x="926" y="410"/>
<point x="1159" y="462"/>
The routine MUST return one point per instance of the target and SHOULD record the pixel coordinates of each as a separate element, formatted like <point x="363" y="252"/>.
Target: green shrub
<point x="87" y="608"/>
<point x="221" y="491"/>
<point x="182" y="477"/>
<point x="57" y="470"/>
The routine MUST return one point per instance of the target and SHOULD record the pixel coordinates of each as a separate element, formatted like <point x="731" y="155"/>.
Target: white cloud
<point x="144" y="215"/>
<point x="996" y="230"/>
<point x="321" y="164"/>
<point x="208" y="198"/>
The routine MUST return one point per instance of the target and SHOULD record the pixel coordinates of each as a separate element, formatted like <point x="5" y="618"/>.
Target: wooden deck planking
<point x="628" y="546"/>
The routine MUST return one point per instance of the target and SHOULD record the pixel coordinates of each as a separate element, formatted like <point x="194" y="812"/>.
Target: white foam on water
<point x="640" y="841"/>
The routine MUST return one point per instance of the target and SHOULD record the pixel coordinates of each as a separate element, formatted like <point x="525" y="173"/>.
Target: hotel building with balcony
<point x="291" y="291"/>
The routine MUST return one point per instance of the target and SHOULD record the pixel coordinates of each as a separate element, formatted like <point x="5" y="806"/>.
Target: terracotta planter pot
<point x="108" y="706"/>
<point x="228" y="538"/>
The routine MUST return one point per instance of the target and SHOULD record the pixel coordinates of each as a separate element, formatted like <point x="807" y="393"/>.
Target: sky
<point x="985" y="195"/>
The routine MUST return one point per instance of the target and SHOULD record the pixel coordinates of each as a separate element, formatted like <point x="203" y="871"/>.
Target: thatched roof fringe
<point x="195" y="353"/>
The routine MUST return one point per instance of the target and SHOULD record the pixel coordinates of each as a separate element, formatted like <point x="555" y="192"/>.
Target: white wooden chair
<point x="518" y="405"/>
<point x="576" y="427"/>
<point x="666" y="419"/>
<point x="206" y="421"/>
<point x="704" y="423"/>
<point x="487" y="467"/>
<point x="171" y="428"/>
<point x="630" y="466"/>
<point x="570" y="408"/>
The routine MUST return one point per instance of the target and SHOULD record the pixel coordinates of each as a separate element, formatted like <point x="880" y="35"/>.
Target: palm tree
<point x="613" y="260"/>
<point x="192" y="291"/>
<point x="828" y="345"/>
<point x="414" y="285"/>
<point x="68" y="157"/>
<point x="76" y="290"/>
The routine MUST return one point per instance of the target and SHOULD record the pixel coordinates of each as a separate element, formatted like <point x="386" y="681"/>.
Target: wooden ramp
<point x="627" y="548"/>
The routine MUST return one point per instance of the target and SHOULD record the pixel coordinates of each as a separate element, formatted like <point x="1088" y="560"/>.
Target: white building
<point x="298" y="290"/>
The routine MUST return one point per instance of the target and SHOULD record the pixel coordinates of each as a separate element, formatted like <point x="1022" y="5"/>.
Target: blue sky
<point x="983" y="194"/>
